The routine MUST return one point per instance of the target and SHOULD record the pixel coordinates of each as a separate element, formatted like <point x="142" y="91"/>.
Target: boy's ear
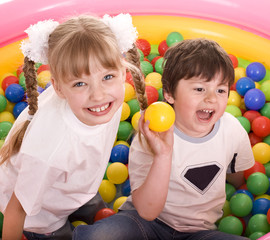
<point x="57" y="88"/>
<point x="169" y="98"/>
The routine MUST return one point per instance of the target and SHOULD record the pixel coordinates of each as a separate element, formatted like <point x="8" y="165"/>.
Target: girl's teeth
<point x="99" y="109"/>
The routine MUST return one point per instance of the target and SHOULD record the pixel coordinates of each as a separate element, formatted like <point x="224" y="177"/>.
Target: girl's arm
<point x="14" y="217"/>
<point x="150" y="197"/>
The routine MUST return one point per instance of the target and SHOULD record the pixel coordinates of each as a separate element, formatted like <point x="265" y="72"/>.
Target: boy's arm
<point x="150" y="197"/>
<point x="14" y="217"/>
<point x="236" y="179"/>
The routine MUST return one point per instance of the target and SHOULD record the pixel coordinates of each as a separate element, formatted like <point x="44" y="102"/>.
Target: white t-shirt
<point x="196" y="191"/>
<point x="60" y="165"/>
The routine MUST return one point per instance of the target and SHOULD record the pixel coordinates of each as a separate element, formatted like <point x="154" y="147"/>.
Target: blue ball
<point x="254" y="99"/>
<point x="120" y="153"/>
<point x="18" y="108"/>
<point x="260" y="206"/>
<point x="256" y="71"/>
<point x="14" y="93"/>
<point x="125" y="188"/>
<point x="244" y="84"/>
<point x="245" y="192"/>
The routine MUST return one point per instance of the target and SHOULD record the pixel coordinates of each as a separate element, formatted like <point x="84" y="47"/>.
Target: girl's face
<point x="198" y="104"/>
<point x="94" y="99"/>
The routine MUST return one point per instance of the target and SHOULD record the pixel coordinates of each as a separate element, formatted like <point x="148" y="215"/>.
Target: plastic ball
<point x="230" y="190"/>
<point x="256" y="71"/>
<point x="43" y="67"/>
<point x="231" y="225"/>
<point x="261" y="126"/>
<point x="257" y="183"/>
<point x="162" y="47"/>
<point x="125" y="111"/>
<point x="234" y="110"/>
<point x="268" y="216"/>
<point x="43" y="78"/>
<point x="152" y="94"/>
<point x="125" y="188"/>
<point x="234" y="60"/>
<point x="134" y="106"/>
<point x="151" y="56"/>
<point x="154" y="79"/>
<point x="257" y="167"/>
<point x="160" y="94"/>
<point x="103" y="213"/>
<point x="3" y="103"/>
<point x="265" y="88"/>
<point x="261" y="152"/>
<point x="260" y="205"/>
<point x="141" y="55"/>
<point x="245" y="123"/>
<point x="160" y="115"/>
<point x="244" y="84"/>
<point x="146" y="68"/>
<point x="144" y="46"/>
<point x="7" y="117"/>
<point x="129" y="92"/>
<point x="267" y="169"/>
<point x="159" y="65"/>
<point x="253" y="138"/>
<point x="1" y="222"/>
<point x="118" y="203"/>
<point x="254" y="99"/>
<point x="173" y="38"/>
<point x="266" y="196"/>
<point x="267" y="140"/>
<point x="258" y="223"/>
<point x="256" y="235"/>
<point x="18" y="108"/>
<point x="244" y="191"/>
<point x="117" y="173"/>
<point x="135" y="120"/>
<point x="240" y="204"/>
<point x="14" y="93"/>
<point x="234" y="98"/>
<point x="8" y="81"/>
<point x="251" y="115"/>
<point x="119" y="153"/>
<point x="125" y="131"/>
<point x="239" y="72"/>
<point x="78" y="223"/>
<point x="154" y="49"/>
<point x="153" y="62"/>
<point x="4" y="129"/>
<point x="265" y="110"/>
<point x="129" y="78"/>
<point x="107" y="191"/>
<point x="121" y="142"/>
<point x="22" y="81"/>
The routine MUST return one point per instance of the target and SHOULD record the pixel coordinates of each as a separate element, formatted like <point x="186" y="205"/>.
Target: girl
<point x="56" y="154"/>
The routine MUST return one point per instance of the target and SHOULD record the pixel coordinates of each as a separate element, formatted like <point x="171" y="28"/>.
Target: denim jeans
<point x="128" y="225"/>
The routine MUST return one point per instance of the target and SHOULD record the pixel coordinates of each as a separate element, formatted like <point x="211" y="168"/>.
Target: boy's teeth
<point x="99" y="109"/>
<point x="208" y="111"/>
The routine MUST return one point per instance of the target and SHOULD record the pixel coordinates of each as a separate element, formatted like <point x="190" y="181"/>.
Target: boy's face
<point x="198" y="104"/>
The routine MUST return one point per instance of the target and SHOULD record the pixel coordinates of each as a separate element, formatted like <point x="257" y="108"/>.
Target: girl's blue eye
<point x="108" y="77"/>
<point x="79" y="84"/>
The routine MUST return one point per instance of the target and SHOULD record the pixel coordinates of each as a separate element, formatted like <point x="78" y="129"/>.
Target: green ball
<point x="258" y="223"/>
<point x="4" y="129"/>
<point x="22" y="81"/>
<point x="231" y="225"/>
<point x="160" y="94"/>
<point x="146" y="68"/>
<point x="234" y="110"/>
<point x="257" y="183"/>
<point x="241" y="204"/>
<point x="256" y="235"/>
<point x="265" y="110"/>
<point x="245" y="123"/>
<point x="174" y="37"/>
<point x="141" y="54"/>
<point x="3" y="103"/>
<point x="105" y="177"/>
<point x="37" y="65"/>
<point x="134" y="106"/>
<point x="159" y="65"/>
<point x="154" y="49"/>
<point x="267" y="140"/>
<point x="1" y="222"/>
<point x="125" y="131"/>
<point x="230" y="190"/>
<point x="265" y="88"/>
<point x="151" y="56"/>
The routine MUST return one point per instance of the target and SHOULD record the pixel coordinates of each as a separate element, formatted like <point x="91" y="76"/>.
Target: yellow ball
<point x="234" y="98"/>
<point x="118" y="202"/>
<point x="10" y="106"/>
<point x="135" y="120"/>
<point x="261" y="152"/>
<point x="43" y="78"/>
<point x="2" y="92"/>
<point x="77" y="223"/>
<point x="7" y="117"/>
<point x="266" y="196"/>
<point x="154" y="79"/>
<point x="239" y="72"/>
<point x="160" y="115"/>
<point x="257" y="85"/>
<point x="117" y="173"/>
<point x="129" y="92"/>
<point x="121" y="142"/>
<point x="107" y="190"/>
<point x="125" y="111"/>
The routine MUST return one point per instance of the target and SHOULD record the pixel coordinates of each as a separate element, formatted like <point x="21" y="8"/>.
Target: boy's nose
<point x="211" y="96"/>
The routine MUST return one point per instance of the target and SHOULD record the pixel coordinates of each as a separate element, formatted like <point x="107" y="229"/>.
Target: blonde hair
<point x="70" y="46"/>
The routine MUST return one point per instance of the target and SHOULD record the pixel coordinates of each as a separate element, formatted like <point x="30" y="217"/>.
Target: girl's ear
<point x="57" y="88"/>
<point x="169" y="98"/>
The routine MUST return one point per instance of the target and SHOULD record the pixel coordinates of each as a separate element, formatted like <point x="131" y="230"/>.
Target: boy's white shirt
<point x="193" y="203"/>
<point x="60" y="165"/>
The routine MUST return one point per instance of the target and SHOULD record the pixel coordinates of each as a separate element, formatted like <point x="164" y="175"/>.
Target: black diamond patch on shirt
<point x="201" y="177"/>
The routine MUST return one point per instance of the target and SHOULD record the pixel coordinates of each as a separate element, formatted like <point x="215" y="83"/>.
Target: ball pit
<point x="244" y="38"/>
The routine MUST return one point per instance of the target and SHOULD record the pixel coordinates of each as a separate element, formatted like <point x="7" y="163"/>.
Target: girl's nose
<point x="96" y="92"/>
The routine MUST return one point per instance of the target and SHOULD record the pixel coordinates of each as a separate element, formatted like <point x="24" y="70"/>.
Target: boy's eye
<point x="199" y="89"/>
<point x="79" y="84"/>
<point x="108" y="77"/>
<point x="221" y="91"/>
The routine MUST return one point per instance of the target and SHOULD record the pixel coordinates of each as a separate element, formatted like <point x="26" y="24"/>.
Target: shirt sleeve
<point x="140" y="161"/>
<point x="35" y="177"/>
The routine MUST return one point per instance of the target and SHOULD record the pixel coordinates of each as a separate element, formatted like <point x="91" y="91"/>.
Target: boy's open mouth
<point x="205" y="114"/>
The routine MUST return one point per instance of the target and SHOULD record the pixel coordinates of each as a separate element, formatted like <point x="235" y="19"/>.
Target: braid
<point x="133" y="57"/>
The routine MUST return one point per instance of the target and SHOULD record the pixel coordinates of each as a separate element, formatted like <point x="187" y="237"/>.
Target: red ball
<point x="152" y="94"/>
<point x="234" y="60"/>
<point x="146" y="59"/>
<point x="251" y="115"/>
<point x="104" y="213"/>
<point x="268" y="216"/>
<point x="257" y="167"/>
<point x="253" y="138"/>
<point x="43" y="67"/>
<point x="162" y="48"/>
<point x="261" y="126"/>
<point x="233" y="87"/>
<point x="8" y="81"/>
<point x="129" y="78"/>
<point x="144" y="46"/>
<point x="24" y="237"/>
<point x="19" y="70"/>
